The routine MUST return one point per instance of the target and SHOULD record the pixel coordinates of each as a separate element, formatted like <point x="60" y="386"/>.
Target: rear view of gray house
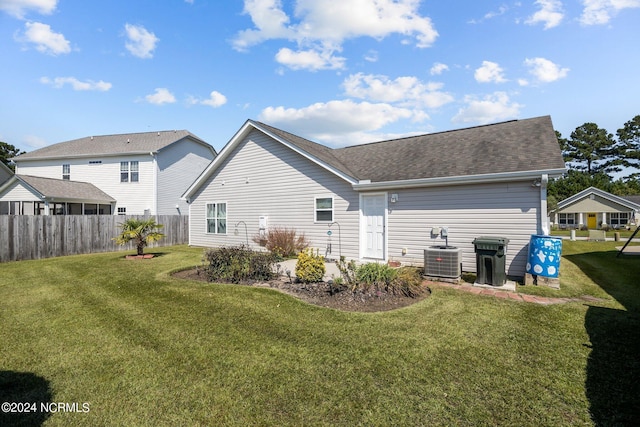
<point x="382" y="201"/>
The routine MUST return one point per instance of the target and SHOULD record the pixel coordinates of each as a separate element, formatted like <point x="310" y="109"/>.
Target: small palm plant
<point x="142" y="231"/>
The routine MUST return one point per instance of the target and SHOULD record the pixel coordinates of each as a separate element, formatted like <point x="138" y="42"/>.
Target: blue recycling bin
<point x="544" y="256"/>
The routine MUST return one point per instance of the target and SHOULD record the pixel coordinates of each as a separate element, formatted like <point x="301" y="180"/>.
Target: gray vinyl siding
<point x="263" y="177"/>
<point x="178" y="165"/>
<point x="508" y="210"/>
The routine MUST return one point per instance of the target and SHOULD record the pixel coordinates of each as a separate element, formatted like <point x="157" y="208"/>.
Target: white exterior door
<point x="373" y="225"/>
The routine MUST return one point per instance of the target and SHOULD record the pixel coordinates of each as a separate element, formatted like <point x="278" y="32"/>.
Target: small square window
<point x="324" y="209"/>
<point x="122" y="211"/>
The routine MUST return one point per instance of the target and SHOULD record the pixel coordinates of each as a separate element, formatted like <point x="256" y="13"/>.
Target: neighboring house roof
<point x="624" y="201"/>
<point x="5" y="173"/>
<point x="632" y="199"/>
<point x="62" y="190"/>
<point x="517" y="148"/>
<point x="111" y="145"/>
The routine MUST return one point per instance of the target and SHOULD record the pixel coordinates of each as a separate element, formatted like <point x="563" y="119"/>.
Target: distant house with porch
<point x="594" y="209"/>
<point x="32" y="195"/>
<point x="127" y="174"/>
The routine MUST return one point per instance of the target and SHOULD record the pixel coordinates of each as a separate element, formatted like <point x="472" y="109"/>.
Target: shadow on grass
<point x="23" y="395"/>
<point x="613" y="367"/>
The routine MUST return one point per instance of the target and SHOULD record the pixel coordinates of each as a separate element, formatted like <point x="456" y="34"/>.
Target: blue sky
<point x="337" y="72"/>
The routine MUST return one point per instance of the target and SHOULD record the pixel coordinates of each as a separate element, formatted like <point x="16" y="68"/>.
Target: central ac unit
<point x="443" y="261"/>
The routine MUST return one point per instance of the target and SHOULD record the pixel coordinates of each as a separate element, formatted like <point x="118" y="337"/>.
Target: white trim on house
<point x="456" y="180"/>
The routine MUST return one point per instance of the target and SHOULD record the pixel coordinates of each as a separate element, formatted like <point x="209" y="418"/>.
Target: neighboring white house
<point x="144" y="173"/>
<point x="594" y="209"/>
<point x="382" y="201"/>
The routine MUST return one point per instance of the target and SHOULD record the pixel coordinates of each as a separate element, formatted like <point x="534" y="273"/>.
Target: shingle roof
<point x="513" y="146"/>
<point x="632" y="199"/>
<point x="62" y="189"/>
<point x="144" y="142"/>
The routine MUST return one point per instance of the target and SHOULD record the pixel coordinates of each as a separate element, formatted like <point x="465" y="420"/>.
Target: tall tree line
<point x="593" y="156"/>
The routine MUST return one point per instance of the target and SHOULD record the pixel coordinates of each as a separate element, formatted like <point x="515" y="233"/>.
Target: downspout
<point x="544" y="217"/>
<point x="154" y="163"/>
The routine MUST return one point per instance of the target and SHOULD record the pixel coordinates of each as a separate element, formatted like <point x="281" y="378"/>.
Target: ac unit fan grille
<point x="442" y="261"/>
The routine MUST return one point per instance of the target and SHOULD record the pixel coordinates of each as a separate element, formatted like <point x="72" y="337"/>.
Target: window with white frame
<point x="567" y="219"/>
<point x="323" y="209"/>
<point x="617" y="219"/>
<point x="129" y="171"/>
<point x="217" y="218"/>
<point x="122" y="210"/>
<point x="66" y="172"/>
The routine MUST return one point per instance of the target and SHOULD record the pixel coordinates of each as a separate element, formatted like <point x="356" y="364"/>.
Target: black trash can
<point x="491" y="254"/>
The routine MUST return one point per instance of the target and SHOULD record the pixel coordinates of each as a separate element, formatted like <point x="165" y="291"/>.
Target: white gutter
<point x="457" y="180"/>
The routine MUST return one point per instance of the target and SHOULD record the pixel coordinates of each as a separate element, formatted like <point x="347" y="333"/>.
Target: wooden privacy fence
<point x="25" y="237"/>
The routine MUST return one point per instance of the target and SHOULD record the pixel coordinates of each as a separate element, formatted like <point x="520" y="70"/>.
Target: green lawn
<point x="142" y="348"/>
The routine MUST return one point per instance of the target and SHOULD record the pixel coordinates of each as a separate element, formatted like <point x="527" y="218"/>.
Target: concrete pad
<point x="629" y="250"/>
<point x="508" y="286"/>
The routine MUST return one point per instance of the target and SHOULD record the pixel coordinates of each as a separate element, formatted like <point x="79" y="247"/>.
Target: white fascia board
<point x="457" y="180"/>
<point x="17" y="160"/>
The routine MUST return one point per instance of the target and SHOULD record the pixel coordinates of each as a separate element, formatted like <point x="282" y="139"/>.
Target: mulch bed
<point x="322" y="294"/>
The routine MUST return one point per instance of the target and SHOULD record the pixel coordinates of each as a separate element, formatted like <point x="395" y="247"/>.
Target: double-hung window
<point x="129" y="171"/>
<point x="66" y="172"/>
<point x="323" y="209"/>
<point x="216" y="218"/>
<point x="617" y="219"/>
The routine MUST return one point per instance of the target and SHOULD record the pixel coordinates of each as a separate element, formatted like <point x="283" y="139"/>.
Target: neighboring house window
<point x="567" y="219"/>
<point x="217" y="218"/>
<point x="66" y="172"/>
<point x="122" y="211"/>
<point x="324" y="209"/>
<point x="95" y="162"/>
<point x="124" y="171"/>
<point x="134" y="171"/>
<point x="616" y="219"/>
<point x="129" y="171"/>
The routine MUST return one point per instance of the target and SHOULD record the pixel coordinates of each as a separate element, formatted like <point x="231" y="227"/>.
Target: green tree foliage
<point x="590" y="149"/>
<point x="8" y="151"/>
<point x="141" y="231"/>
<point x="592" y="155"/>
<point x="629" y="139"/>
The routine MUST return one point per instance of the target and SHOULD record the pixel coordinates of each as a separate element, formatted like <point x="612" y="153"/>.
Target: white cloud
<point x="405" y="91"/>
<point x="46" y="40"/>
<point x="141" y="42"/>
<point x="323" y="25"/>
<point x="550" y="14"/>
<point x="438" y="68"/>
<point x="312" y="60"/>
<point x="489" y="72"/>
<point x="160" y="97"/>
<point x="544" y="70"/>
<point x="490" y="15"/>
<point x="76" y="84"/>
<point x="598" y="12"/>
<point x="335" y="121"/>
<point x="492" y="108"/>
<point x="34" y="142"/>
<point x="371" y="56"/>
<point x="215" y="100"/>
<point x="19" y="8"/>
